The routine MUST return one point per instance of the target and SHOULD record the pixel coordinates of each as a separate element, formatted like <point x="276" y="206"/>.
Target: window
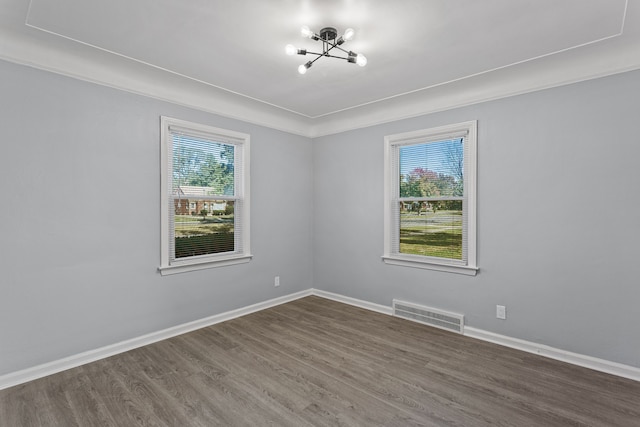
<point x="430" y="199"/>
<point x="203" y="167"/>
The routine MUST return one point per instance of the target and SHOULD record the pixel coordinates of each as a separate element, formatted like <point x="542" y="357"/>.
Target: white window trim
<point x="470" y="178"/>
<point x="206" y="261"/>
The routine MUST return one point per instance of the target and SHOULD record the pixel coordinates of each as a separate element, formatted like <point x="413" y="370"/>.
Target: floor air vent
<point x="429" y="316"/>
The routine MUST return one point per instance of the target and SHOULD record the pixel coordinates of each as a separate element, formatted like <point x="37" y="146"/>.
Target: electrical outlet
<point x="276" y="282"/>
<point x="501" y="311"/>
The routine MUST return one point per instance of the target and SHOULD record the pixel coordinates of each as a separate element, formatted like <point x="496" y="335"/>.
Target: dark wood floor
<point x="315" y="362"/>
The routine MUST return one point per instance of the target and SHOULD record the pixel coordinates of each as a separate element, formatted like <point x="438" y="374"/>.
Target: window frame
<point x="391" y="187"/>
<point x="199" y="262"/>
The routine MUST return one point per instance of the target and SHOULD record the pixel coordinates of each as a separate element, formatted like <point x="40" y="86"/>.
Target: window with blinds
<point x="430" y="198"/>
<point x="205" y="219"/>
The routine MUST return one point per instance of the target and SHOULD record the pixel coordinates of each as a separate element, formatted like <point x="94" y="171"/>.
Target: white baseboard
<point x="594" y="363"/>
<point x="29" y="374"/>
<point x="353" y="301"/>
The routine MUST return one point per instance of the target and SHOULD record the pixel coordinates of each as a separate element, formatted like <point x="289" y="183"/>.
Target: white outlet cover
<point x="501" y="311"/>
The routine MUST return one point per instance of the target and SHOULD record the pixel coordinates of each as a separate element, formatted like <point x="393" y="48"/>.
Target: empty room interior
<point x="305" y="212"/>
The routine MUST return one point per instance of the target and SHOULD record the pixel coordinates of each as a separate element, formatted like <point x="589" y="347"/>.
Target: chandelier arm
<point x="345" y="51"/>
<point x="339" y="48"/>
<point x="315" y="53"/>
<point x="337" y="57"/>
<point x="335" y="45"/>
<point x="311" y="62"/>
<point x="326" y="55"/>
<point x="326" y="48"/>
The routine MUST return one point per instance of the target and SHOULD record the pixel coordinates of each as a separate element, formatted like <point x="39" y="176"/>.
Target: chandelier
<point x="329" y="38"/>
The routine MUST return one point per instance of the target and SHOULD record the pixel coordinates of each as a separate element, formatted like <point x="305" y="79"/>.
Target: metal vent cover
<point x="429" y="316"/>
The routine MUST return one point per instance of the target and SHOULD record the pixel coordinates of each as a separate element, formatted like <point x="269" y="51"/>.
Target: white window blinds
<point x="205" y="193"/>
<point x="430" y="197"/>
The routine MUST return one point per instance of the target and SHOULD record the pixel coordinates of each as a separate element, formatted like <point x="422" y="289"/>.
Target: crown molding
<point x="92" y="65"/>
<point x="610" y="56"/>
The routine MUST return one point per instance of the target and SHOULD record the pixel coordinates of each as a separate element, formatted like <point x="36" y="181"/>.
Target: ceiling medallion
<point x="329" y="38"/>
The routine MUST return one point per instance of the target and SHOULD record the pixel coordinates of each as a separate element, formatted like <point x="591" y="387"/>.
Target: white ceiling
<point x="227" y="56"/>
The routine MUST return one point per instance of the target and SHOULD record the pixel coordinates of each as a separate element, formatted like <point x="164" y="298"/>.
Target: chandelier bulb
<point x="306" y="32"/>
<point x="348" y="34"/>
<point x="290" y="49"/>
<point x="304" y="67"/>
<point x="361" y="60"/>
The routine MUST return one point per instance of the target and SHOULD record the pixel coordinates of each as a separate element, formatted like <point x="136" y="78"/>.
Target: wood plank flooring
<point x="316" y="362"/>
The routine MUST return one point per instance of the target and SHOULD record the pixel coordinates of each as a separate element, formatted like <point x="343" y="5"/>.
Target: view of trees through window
<point x="203" y="194"/>
<point x="431" y="192"/>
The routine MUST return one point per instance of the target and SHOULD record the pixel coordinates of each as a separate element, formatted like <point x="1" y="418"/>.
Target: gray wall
<point x="558" y="212"/>
<point x="557" y="219"/>
<point x="80" y="225"/>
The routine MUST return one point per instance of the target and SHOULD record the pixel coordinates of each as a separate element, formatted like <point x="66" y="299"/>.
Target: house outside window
<point x="430" y="199"/>
<point x="202" y="166"/>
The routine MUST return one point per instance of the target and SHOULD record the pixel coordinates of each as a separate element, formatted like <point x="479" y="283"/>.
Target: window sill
<point x="166" y="270"/>
<point x="430" y="265"/>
